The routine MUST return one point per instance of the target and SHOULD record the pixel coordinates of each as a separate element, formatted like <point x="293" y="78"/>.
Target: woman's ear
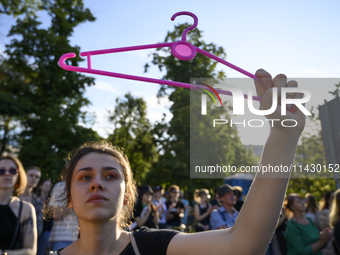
<point x="70" y="205"/>
<point x="126" y="200"/>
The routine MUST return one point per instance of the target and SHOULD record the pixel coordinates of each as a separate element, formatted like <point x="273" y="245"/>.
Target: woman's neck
<point x="5" y="195"/>
<point x="299" y="216"/>
<point x="43" y="195"/>
<point x="203" y="203"/>
<point x="100" y="238"/>
<point x="28" y="192"/>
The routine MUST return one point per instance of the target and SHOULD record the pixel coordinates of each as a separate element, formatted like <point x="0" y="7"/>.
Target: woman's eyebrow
<point x="85" y="169"/>
<point x="109" y="168"/>
<point x="106" y="168"/>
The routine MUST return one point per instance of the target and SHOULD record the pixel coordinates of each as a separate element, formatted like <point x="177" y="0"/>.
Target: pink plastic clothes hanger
<point x="182" y="50"/>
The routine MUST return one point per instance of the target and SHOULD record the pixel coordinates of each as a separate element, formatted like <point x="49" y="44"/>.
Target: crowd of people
<point x="90" y="210"/>
<point x="304" y="227"/>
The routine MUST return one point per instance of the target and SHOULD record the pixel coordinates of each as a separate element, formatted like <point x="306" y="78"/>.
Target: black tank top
<point x="8" y="222"/>
<point x="206" y="220"/>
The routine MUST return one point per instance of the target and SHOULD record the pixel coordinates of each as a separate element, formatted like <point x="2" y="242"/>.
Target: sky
<point x="297" y="38"/>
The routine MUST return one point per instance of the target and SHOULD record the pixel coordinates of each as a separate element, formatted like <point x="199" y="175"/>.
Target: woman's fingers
<point x="280" y="81"/>
<point x="266" y="82"/>
<point x="291" y="84"/>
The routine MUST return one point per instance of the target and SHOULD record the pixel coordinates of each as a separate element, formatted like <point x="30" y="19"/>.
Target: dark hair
<point x="311" y="203"/>
<point x="324" y="203"/>
<point x="198" y="194"/>
<point x="38" y="192"/>
<point x="21" y="183"/>
<point x="103" y="147"/>
<point x="288" y="203"/>
<point x="173" y="187"/>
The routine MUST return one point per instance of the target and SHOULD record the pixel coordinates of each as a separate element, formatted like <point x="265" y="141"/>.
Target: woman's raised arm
<point x="256" y="222"/>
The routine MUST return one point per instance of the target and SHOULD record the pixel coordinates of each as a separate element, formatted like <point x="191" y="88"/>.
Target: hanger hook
<point x="184" y="34"/>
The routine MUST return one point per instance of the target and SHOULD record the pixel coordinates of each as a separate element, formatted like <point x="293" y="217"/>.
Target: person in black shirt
<point x="145" y="212"/>
<point x="101" y="191"/>
<point x="18" y="227"/>
<point x="175" y="209"/>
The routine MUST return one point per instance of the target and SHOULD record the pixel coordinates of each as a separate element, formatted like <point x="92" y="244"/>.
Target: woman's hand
<point x="325" y="235"/>
<point x="264" y="89"/>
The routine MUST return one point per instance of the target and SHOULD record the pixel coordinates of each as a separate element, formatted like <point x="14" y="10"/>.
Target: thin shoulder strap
<point x="17" y="226"/>
<point x="134" y="244"/>
<point x="222" y="215"/>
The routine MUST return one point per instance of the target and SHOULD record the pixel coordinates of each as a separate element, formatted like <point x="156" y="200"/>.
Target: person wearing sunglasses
<point x="18" y="231"/>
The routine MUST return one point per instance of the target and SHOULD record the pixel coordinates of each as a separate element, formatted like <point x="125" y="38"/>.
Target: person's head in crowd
<point x="44" y="188"/>
<point x="181" y="194"/>
<point x="238" y="192"/>
<point x="157" y="192"/>
<point x="174" y="192"/>
<point x="334" y="215"/>
<point x="215" y="192"/>
<point x="294" y="204"/>
<point x="311" y="205"/>
<point x="201" y="196"/>
<point x="145" y="195"/>
<point x="12" y="175"/>
<point x="226" y="195"/>
<point x="33" y="174"/>
<point x="327" y="200"/>
<point x="98" y="172"/>
<point x="167" y="195"/>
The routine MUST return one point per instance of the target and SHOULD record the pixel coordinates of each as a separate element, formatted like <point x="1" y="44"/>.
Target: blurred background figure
<point x="225" y="216"/>
<point x="186" y="208"/>
<point x="322" y="219"/>
<point x="18" y="229"/>
<point x="334" y="221"/>
<point x="311" y="206"/>
<point x="65" y="227"/>
<point x="146" y="214"/>
<point x="301" y="234"/>
<point x="202" y="209"/>
<point x="159" y="201"/>
<point x="43" y="193"/>
<point x="175" y="209"/>
<point x="239" y="199"/>
<point x="214" y="202"/>
<point x="33" y="174"/>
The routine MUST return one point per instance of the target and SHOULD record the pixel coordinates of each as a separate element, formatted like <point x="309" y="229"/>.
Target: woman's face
<point x="146" y="197"/>
<point x="298" y="204"/>
<point x="174" y="193"/>
<point x="33" y="177"/>
<point x="97" y="188"/>
<point x="46" y="186"/>
<point x="8" y="180"/>
<point x="204" y="197"/>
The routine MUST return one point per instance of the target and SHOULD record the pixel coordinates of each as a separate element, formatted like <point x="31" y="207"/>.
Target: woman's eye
<point x="110" y="176"/>
<point x="86" y="177"/>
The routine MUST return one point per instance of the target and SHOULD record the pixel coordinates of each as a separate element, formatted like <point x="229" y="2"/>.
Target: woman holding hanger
<point x="18" y="231"/>
<point x="101" y="191"/>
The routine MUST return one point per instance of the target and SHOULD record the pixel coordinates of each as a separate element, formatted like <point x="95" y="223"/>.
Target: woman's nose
<point x="97" y="185"/>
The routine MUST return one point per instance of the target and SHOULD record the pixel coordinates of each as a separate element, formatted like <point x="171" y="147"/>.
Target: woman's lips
<point x="96" y="199"/>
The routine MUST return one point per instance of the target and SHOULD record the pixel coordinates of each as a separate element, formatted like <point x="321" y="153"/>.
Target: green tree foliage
<point x="46" y="99"/>
<point x="17" y="7"/>
<point x="132" y="132"/>
<point x="173" y="138"/>
<point x="310" y="151"/>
